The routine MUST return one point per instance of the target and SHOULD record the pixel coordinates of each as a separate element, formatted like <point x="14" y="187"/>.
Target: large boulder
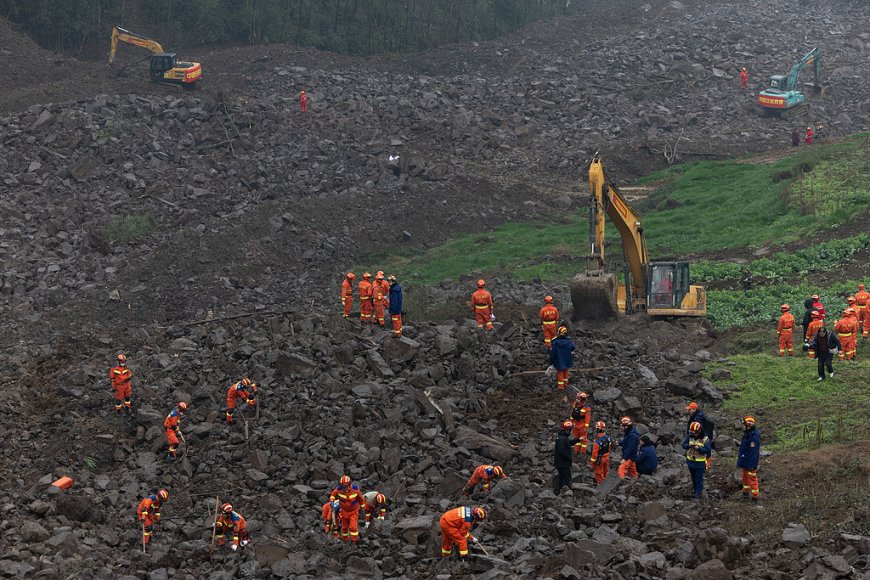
<point x="490" y="447"/>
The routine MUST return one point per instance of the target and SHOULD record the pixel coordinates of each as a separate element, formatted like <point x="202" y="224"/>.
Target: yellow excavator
<point x="658" y="288"/>
<point x="165" y="68"/>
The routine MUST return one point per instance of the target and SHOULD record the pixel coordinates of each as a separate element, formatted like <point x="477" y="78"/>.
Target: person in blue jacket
<point x="629" y="445"/>
<point x="561" y="357"/>
<point x="647" y="461"/>
<point x="697" y="446"/>
<point x="395" y="305"/>
<point x="748" y="456"/>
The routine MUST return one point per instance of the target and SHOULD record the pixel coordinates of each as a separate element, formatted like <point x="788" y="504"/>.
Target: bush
<point x="129" y="228"/>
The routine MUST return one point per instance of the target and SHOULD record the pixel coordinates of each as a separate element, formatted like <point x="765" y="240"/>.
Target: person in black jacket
<point x="562" y="457"/>
<point x="808" y="316"/>
<point x="647" y="461"/>
<point x="826" y="345"/>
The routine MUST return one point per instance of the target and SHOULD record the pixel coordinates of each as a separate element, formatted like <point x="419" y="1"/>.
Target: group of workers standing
<point x="376" y="297"/>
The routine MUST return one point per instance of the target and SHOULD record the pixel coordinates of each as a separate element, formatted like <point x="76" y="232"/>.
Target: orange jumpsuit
<point x="148" y="512"/>
<point x="846" y="329"/>
<point x="326" y="514"/>
<point x="234" y="393"/>
<point x="235" y="523"/>
<point x="121" y="378"/>
<point x="170" y="430"/>
<point x="600" y="459"/>
<point x="481" y="305"/>
<point x="862" y="306"/>
<point x="364" y="289"/>
<point x="549" y="320"/>
<point x="785" y="331"/>
<point x="349" y="502"/>
<point x="479" y="476"/>
<point x="378" y="300"/>
<point x="456" y="529"/>
<point x="581" y="416"/>
<point x="812" y="329"/>
<point x="347" y="296"/>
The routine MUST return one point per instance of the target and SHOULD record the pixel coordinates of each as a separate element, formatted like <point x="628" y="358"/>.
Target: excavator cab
<point x="160" y="63"/>
<point x="670" y="292"/>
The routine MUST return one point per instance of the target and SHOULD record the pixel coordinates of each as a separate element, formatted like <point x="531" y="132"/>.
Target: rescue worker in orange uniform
<point x="374" y="502"/>
<point x="396" y="306"/>
<point x="121" y="378"/>
<point x="862" y="305"/>
<point x="379" y="299"/>
<point x="744" y="76"/>
<point x="148" y="512"/>
<point x="385" y="286"/>
<point x="847" y="329"/>
<point x="232" y="521"/>
<point x="549" y="319"/>
<point x="364" y="289"/>
<point x="330" y="520"/>
<point x="486" y="476"/>
<point x="347" y="500"/>
<point x="243" y="390"/>
<point x="456" y="527"/>
<point x="481" y="305"/>
<point x="808" y="136"/>
<point x="785" y="331"/>
<point x="171" y="428"/>
<point x="347" y="293"/>
<point x="581" y="417"/>
<point x="600" y="459"/>
<point x="303" y="101"/>
<point x="815" y="324"/>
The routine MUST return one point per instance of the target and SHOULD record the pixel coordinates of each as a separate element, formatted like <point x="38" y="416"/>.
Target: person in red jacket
<point x="481" y="305"/>
<point x="148" y="512"/>
<point x="549" y="319"/>
<point x="303" y="101"/>
<point x="171" y="428"/>
<point x="232" y="521"/>
<point x="486" y="476"/>
<point x="347" y="293"/>
<point x="581" y="417"/>
<point x="818" y="306"/>
<point x="121" y="378"/>
<point x="785" y="331"/>
<point x="456" y="527"/>
<point x="815" y="324"/>
<point x="244" y="390"/>
<point x="364" y="289"/>
<point x="744" y="76"/>
<point x="347" y="500"/>
<point x="808" y="136"/>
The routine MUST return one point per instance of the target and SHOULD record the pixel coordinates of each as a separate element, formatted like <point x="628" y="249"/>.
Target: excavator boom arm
<point x="121" y="35"/>
<point x="813" y="57"/>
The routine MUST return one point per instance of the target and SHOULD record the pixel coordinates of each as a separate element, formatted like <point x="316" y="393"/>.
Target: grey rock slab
<point x="795" y="536"/>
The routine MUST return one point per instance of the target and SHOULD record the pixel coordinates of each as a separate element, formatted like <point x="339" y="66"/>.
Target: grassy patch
<point x="129" y="228"/>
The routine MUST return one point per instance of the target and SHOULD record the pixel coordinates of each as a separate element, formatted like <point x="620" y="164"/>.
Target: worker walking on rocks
<point x="697" y="415"/>
<point x="364" y="289"/>
<point x="486" y="476"/>
<point x="847" y="331"/>
<point x="785" y="331"/>
<point x="379" y="298"/>
<point x="561" y="357"/>
<point x="629" y="444"/>
<point x="231" y="521"/>
<point x="347" y="500"/>
<point x="374" y="502"/>
<point x="121" y="379"/>
<point x="697" y="446"/>
<point x="815" y="325"/>
<point x="481" y="305"/>
<point x="330" y="519"/>
<point x="562" y="456"/>
<point x="748" y="457"/>
<point x="600" y="458"/>
<point x="647" y="460"/>
<point x="244" y="390"/>
<point x="148" y="512"/>
<point x="456" y="527"/>
<point x="581" y="416"/>
<point x="549" y="319"/>
<point x="744" y="77"/>
<point x="396" y="306"/>
<point x="303" y="101"/>
<point x="172" y="428"/>
<point x="347" y="293"/>
<point x="825" y="345"/>
<point x="862" y="305"/>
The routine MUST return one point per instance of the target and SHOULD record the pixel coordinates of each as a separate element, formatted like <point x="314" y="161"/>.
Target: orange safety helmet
<point x="548" y="299"/>
<point x="351" y="276"/>
<point x="379" y="276"/>
<point x="497" y="471"/>
<point x="563" y="330"/>
<point x="695" y="427"/>
<point x="815" y="296"/>
<point x="481" y="283"/>
<point x="785" y="307"/>
<point x="227" y="508"/>
<point x="163" y="495"/>
<point x="693" y="406"/>
<point x="849" y="311"/>
<point x="567" y="425"/>
<point x="749" y="421"/>
<point x="581" y="395"/>
<point x="246" y="382"/>
<point x="814" y="313"/>
<point x="122" y="359"/>
<point x="851" y="299"/>
<point x="625" y="421"/>
<point x="344" y="480"/>
<point x="182" y="407"/>
<point x="366" y="276"/>
<point x="478" y="513"/>
<point x="600" y="425"/>
<point x="380" y="499"/>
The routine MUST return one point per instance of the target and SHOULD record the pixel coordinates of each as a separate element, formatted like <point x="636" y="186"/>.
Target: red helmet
<point x="366" y="276"/>
<point x="227" y="508"/>
<point x="568" y="425"/>
<point x="600" y="426"/>
<point x="344" y="480"/>
<point x="814" y="313"/>
<point x="182" y="407"/>
<point x="351" y="276"/>
<point x="695" y="427"/>
<point x="851" y="300"/>
<point x="693" y="406"/>
<point x="246" y="382"/>
<point x="478" y="513"/>
<point x="785" y="307"/>
<point x="481" y="283"/>
<point x="563" y="330"/>
<point x="582" y="396"/>
<point x="122" y="358"/>
<point x="380" y="499"/>
<point x="814" y="296"/>
<point x="548" y="299"/>
<point x="379" y="276"/>
<point x="625" y="421"/>
<point x="849" y="311"/>
<point x="163" y="495"/>
<point x="497" y="471"/>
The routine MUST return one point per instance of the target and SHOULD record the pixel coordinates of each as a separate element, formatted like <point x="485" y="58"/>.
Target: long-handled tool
<point x="479" y="545"/>
<point x="217" y="504"/>
<point x="143" y="536"/>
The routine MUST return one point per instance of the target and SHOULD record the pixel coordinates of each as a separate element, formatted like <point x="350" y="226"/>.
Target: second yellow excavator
<point x="658" y="288"/>
<point x="165" y="68"/>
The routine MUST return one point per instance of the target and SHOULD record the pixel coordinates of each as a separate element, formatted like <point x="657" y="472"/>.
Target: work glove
<point x="251" y="402"/>
<point x="492" y="317"/>
<point x="367" y="525"/>
<point x="234" y="547"/>
<point x="474" y="540"/>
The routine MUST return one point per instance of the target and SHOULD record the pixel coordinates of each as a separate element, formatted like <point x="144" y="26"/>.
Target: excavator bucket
<point x="594" y="296"/>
